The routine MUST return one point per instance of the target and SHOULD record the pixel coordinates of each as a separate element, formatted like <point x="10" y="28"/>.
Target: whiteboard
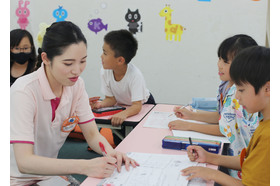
<point x="175" y="71"/>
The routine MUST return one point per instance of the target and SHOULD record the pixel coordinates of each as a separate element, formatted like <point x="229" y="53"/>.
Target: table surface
<point x="146" y="140"/>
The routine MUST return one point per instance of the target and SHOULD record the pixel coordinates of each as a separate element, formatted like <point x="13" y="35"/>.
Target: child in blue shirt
<point x="250" y="71"/>
<point x="234" y="122"/>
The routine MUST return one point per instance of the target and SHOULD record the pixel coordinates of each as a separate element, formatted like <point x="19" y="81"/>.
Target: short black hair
<point x="251" y="65"/>
<point x="232" y="45"/>
<point x="123" y="43"/>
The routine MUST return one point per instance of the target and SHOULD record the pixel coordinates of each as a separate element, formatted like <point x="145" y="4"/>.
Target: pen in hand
<point x="179" y="108"/>
<point x="104" y="153"/>
<point x="190" y="140"/>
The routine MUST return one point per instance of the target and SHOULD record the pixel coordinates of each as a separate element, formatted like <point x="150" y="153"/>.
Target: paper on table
<point x="159" y="119"/>
<point x="194" y="134"/>
<point x="154" y="169"/>
<point x="199" y="135"/>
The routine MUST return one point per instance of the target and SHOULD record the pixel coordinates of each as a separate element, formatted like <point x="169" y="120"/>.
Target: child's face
<point x="109" y="61"/>
<point x="24" y="46"/>
<point x="66" y="68"/>
<point x="247" y="97"/>
<point x="223" y="69"/>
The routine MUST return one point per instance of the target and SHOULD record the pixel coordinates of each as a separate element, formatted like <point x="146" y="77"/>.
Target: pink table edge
<point x="144" y="141"/>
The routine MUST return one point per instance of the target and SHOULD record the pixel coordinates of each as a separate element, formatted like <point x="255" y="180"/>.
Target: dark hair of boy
<point x="15" y="38"/>
<point x="233" y="45"/>
<point x="59" y="36"/>
<point x="251" y="65"/>
<point x="123" y="43"/>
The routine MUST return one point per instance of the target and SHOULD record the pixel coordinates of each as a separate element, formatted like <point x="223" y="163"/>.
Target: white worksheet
<point x="192" y="134"/>
<point x="154" y="170"/>
<point x="159" y="119"/>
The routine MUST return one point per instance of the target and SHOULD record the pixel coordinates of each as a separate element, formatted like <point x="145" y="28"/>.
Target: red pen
<point x="102" y="149"/>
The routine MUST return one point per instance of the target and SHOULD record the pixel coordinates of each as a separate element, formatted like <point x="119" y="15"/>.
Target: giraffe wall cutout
<point x="170" y="29"/>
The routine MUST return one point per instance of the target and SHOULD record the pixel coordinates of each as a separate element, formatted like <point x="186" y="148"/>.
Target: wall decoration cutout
<point x="22" y="14"/>
<point x="42" y="30"/>
<point x="60" y="14"/>
<point x="170" y="29"/>
<point x="103" y="5"/>
<point x="96" y="25"/>
<point x="133" y="18"/>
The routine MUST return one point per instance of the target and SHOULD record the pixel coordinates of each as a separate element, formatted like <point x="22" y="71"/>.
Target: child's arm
<point x="200" y="115"/>
<point x="198" y="154"/>
<point x="107" y="102"/>
<point x="209" y="174"/>
<point x="205" y="116"/>
<point x="190" y="126"/>
<point x="119" y="118"/>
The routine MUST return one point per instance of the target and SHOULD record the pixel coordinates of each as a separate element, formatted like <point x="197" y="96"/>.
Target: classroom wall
<point x="175" y="71"/>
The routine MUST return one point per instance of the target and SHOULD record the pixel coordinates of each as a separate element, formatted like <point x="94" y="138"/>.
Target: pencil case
<point x="181" y="143"/>
<point x="107" y="111"/>
<point x="204" y="103"/>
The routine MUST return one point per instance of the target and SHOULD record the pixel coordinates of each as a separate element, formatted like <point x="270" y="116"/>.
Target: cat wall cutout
<point x="133" y="17"/>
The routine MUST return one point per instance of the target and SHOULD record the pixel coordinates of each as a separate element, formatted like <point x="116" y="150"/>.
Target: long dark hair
<point x="59" y="36"/>
<point x="15" y="38"/>
<point x="233" y="45"/>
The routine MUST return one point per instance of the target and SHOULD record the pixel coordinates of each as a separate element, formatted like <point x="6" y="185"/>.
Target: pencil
<point x="190" y="140"/>
<point x="179" y="108"/>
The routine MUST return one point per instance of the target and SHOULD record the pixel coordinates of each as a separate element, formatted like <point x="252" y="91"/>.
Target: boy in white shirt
<point x="122" y="82"/>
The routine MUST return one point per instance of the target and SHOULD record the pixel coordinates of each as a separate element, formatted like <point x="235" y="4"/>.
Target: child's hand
<point x="205" y="173"/>
<point x="179" y="125"/>
<point x="100" y="167"/>
<point x="118" y="119"/>
<point x="93" y="100"/>
<point x="96" y="105"/>
<point x="197" y="153"/>
<point x="183" y="113"/>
